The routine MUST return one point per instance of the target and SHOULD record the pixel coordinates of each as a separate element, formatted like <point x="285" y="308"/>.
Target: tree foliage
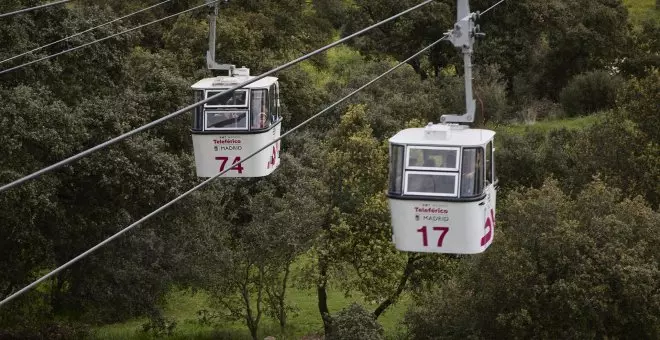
<point x="242" y="240"/>
<point x="564" y="267"/>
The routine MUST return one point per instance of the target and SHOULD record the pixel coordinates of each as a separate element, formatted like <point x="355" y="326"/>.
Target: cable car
<point x="230" y="127"/>
<point x="442" y="185"/>
<point x="442" y="189"/>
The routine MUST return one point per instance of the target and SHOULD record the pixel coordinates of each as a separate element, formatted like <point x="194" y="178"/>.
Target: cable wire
<point x="201" y="185"/>
<point x="192" y="106"/>
<point x="85" y="31"/>
<point x="33" y="8"/>
<point x="491" y="7"/>
<point x="106" y="38"/>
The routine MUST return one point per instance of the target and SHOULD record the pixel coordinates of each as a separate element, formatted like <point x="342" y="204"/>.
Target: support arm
<point x="210" y="54"/>
<point x="462" y="36"/>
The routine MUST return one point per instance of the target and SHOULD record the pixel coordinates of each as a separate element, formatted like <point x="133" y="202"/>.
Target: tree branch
<point x="407" y="272"/>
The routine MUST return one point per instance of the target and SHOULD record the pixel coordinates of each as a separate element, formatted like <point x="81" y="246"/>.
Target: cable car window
<point x="489" y="163"/>
<point x="472" y="172"/>
<point x="198" y="117"/>
<point x="433" y="184"/>
<point x="396" y="168"/>
<point x="273" y="103"/>
<point x="259" y="109"/>
<point x="225" y="120"/>
<point x="433" y="158"/>
<point x="236" y="99"/>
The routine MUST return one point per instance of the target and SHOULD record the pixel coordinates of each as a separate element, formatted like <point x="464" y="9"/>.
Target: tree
<point x="564" y="267"/>
<point x="355" y="245"/>
<point x="405" y="36"/>
<point x="264" y="227"/>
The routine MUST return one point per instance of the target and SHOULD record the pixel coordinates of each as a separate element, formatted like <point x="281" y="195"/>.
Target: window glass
<point x="439" y="184"/>
<point x="223" y="120"/>
<point x="237" y="98"/>
<point x="259" y="109"/>
<point x="273" y="103"/>
<point x="433" y="157"/>
<point x="396" y="168"/>
<point x="472" y="172"/>
<point x="494" y="167"/>
<point x="489" y="162"/>
<point x="198" y="117"/>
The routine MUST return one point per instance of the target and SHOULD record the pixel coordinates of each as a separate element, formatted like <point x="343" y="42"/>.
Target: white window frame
<point x="206" y="125"/>
<point x="247" y="98"/>
<point x="427" y="173"/>
<point x="455" y="149"/>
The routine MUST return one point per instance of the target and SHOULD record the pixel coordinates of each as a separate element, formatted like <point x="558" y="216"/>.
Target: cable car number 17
<point x="442" y="232"/>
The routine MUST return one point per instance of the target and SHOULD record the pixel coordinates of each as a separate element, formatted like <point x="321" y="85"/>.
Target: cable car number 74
<point x="223" y="162"/>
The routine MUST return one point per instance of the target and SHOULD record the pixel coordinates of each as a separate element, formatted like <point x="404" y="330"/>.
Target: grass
<point x="545" y="126"/>
<point x="340" y="60"/>
<point x="182" y="306"/>
<point x="640" y="10"/>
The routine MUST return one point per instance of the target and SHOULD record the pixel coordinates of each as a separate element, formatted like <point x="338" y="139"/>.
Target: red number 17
<point x="425" y="239"/>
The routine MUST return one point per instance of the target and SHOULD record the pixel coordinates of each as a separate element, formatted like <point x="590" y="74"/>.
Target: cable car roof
<point x="226" y="82"/>
<point x="443" y="135"/>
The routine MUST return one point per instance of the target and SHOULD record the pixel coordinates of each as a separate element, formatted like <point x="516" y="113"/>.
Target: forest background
<point x="571" y="87"/>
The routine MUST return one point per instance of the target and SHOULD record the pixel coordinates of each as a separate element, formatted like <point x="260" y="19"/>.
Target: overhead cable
<point x="106" y="38"/>
<point x="32" y="8"/>
<point x="85" y="31"/>
<point x="491" y="7"/>
<point x="192" y="106"/>
<point x="207" y="181"/>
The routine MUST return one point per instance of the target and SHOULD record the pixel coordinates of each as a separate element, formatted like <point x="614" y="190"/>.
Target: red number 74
<point x="425" y="239"/>
<point x="223" y="163"/>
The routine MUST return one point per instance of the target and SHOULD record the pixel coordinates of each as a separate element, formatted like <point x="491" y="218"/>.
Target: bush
<point x="158" y="325"/>
<point x="590" y="92"/>
<point x="490" y="95"/>
<point x="640" y="102"/>
<point x="355" y="322"/>
<point x="564" y="267"/>
<point x="538" y="110"/>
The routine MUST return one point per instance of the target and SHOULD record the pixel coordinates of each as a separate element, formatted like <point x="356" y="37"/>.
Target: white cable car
<point x="442" y="189"/>
<point x="442" y="185"/>
<point x="230" y="127"/>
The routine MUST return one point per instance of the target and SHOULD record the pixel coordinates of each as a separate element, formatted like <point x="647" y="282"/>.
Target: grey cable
<point x="491" y="7"/>
<point x="33" y="8"/>
<point x="199" y="186"/>
<point x="83" y="32"/>
<point x="192" y="106"/>
<point x="106" y="38"/>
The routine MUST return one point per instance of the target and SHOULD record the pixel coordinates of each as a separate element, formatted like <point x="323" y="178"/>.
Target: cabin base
<point x="215" y="153"/>
<point x="443" y="227"/>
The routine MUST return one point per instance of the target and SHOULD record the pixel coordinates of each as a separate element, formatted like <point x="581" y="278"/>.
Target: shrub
<point x="355" y="322"/>
<point x="590" y="92"/>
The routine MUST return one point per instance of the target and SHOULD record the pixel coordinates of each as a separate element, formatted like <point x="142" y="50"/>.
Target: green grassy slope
<point x="640" y="10"/>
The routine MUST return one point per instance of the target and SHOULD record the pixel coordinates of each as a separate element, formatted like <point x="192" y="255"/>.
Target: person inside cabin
<point x="259" y="116"/>
<point x="428" y="161"/>
<point x="263" y="116"/>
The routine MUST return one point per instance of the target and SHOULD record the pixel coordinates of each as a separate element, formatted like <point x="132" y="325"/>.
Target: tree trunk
<point x="410" y="266"/>
<point x="281" y="298"/>
<point x="323" y="295"/>
<point x="252" y="322"/>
